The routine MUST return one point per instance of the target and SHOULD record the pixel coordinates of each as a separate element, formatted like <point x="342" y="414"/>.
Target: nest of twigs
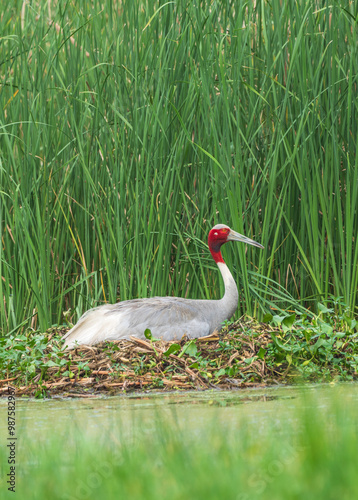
<point x="225" y="360"/>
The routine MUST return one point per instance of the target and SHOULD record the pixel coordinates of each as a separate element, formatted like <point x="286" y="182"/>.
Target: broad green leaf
<point x="288" y="321"/>
<point x="220" y="373"/>
<point x="50" y="363"/>
<point x="323" y="308"/>
<point x="248" y="361"/>
<point x="261" y="353"/>
<point x="267" y="318"/>
<point x="278" y="319"/>
<point x="190" y="348"/>
<point x="148" y="334"/>
<point x="172" y="349"/>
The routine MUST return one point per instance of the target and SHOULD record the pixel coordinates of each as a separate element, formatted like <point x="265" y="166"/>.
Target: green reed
<point x="128" y="129"/>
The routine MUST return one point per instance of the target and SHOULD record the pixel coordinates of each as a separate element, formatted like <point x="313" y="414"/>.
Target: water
<point x="191" y="412"/>
<point x="242" y="445"/>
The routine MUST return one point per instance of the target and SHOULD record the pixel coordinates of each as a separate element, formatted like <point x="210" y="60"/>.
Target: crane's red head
<point x="221" y="234"/>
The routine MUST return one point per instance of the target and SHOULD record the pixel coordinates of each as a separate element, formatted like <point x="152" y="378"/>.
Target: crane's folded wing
<point x="166" y="318"/>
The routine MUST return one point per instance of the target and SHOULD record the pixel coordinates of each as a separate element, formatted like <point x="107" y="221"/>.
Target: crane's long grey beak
<point x="234" y="236"/>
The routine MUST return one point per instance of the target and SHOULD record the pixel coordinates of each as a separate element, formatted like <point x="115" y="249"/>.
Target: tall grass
<point x="129" y="128"/>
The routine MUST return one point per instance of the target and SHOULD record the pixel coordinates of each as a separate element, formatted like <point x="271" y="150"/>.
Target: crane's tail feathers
<point x="92" y="327"/>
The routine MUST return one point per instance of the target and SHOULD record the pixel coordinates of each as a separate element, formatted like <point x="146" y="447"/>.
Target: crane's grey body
<point x="168" y="318"/>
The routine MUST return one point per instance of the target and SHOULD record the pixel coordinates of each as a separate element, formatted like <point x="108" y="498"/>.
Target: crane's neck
<point x="228" y="304"/>
<point x="231" y="297"/>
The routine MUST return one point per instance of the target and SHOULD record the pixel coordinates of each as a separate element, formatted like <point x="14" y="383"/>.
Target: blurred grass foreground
<point x="247" y="447"/>
<point x="127" y="129"/>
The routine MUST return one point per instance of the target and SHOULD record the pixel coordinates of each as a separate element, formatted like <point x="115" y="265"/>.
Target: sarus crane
<point x="168" y="318"/>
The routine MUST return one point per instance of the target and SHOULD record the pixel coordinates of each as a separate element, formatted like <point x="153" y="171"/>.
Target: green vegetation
<point x="306" y="449"/>
<point x="287" y="349"/>
<point x="128" y="129"/>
